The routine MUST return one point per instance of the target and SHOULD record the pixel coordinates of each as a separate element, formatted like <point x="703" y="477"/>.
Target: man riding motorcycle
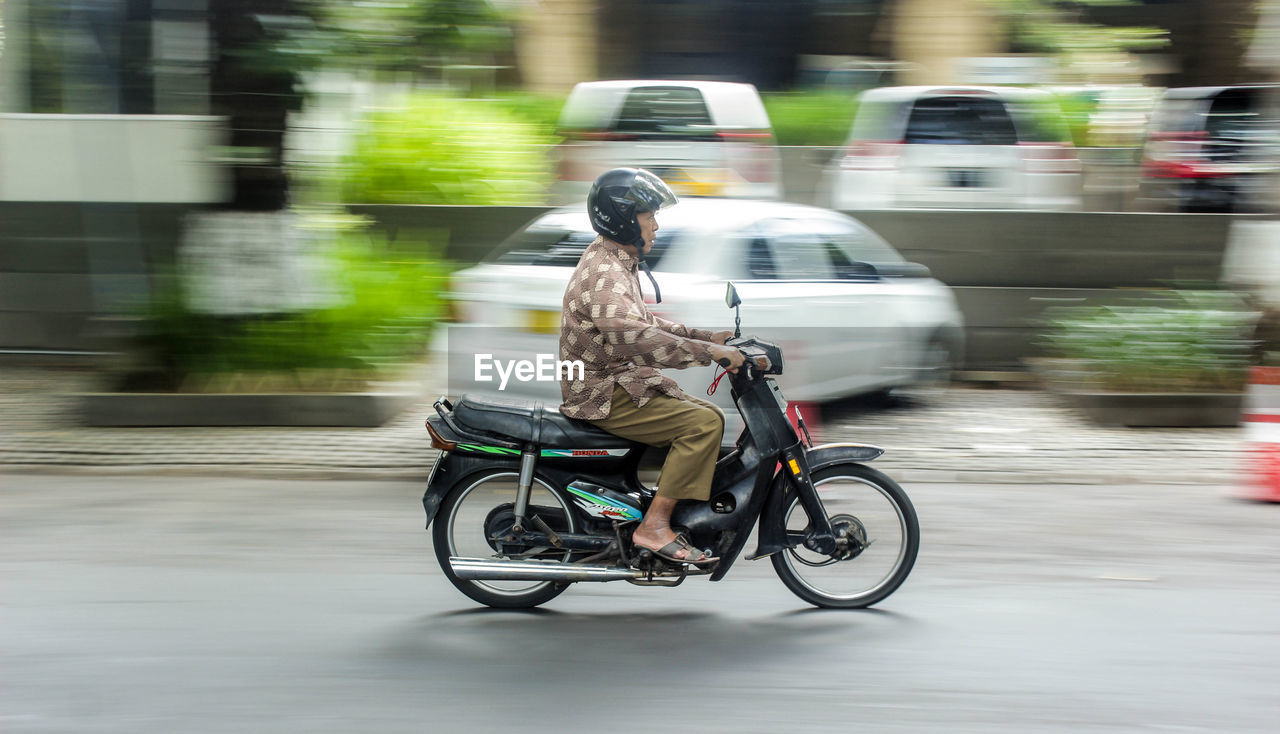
<point x="606" y="324"/>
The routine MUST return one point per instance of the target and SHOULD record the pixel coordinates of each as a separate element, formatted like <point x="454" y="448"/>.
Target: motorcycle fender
<point x="773" y="531"/>
<point x="450" y="468"/>
<point x="827" y="454"/>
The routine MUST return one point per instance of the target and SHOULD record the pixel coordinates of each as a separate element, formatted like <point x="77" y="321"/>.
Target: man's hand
<point x="720" y="337"/>
<point x="730" y="353"/>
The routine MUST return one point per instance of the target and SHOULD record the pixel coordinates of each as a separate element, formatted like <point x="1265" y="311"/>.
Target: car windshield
<point x="1237" y="114"/>
<point x="960" y="120"/>
<point x="669" y="110"/>
<point x="556" y="245"/>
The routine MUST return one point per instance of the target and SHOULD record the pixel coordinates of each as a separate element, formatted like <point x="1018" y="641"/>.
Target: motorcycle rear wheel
<point x="872" y="512"/>
<point x="460" y="530"/>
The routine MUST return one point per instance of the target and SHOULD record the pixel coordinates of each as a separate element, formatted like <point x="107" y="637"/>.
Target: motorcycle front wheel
<point x="878" y="532"/>
<point x="476" y="511"/>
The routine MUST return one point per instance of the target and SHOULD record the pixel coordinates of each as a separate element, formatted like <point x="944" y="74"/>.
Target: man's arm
<point x="672" y="327"/>
<point x="629" y="336"/>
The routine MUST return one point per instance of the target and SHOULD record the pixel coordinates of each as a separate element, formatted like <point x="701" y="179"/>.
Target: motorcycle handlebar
<point x="744" y="370"/>
<point x="756" y="358"/>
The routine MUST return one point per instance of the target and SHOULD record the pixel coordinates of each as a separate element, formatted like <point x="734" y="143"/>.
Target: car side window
<point x="798" y="251"/>
<point x="850" y="247"/>
<point x="803" y="256"/>
<point x="838" y="258"/>
<point x="760" y="263"/>
<point x="560" y="248"/>
<point x="816" y="248"/>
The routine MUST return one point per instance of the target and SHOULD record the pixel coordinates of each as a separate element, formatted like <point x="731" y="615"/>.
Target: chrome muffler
<point x="494" y="569"/>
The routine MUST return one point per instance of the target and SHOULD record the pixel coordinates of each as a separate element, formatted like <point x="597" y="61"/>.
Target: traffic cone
<point x="1262" y="434"/>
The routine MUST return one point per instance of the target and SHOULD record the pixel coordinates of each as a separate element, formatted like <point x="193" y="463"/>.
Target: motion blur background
<point x="282" y="188"/>
<point x="262" y="215"/>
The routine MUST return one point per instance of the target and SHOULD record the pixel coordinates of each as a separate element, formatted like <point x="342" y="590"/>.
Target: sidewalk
<point x="967" y="434"/>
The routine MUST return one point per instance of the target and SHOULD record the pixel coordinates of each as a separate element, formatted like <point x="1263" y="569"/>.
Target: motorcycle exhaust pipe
<point x="493" y="569"/>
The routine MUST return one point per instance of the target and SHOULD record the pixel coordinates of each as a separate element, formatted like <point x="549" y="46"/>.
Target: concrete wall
<point x="1005" y="267"/>
<point x="62" y="264"/>
<point x="120" y="158"/>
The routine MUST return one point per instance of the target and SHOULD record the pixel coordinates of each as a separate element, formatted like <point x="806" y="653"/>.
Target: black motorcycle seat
<point x="532" y="422"/>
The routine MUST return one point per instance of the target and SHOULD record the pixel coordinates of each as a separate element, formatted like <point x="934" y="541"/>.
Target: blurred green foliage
<point x="436" y="149"/>
<point x="1193" y="341"/>
<point x="1064" y="27"/>
<point x="391" y="303"/>
<point x="540" y="110"/>
<point x="418" y="37"/>
<point x="811" y="118"/>
<point x="1077" y="110"/>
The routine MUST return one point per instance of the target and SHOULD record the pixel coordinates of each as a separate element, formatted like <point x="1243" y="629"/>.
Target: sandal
<point x="693" y="556"/>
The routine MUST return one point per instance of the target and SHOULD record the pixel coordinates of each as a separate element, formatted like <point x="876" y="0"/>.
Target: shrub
<point x="540" y="110"/>
<point x="384" y="320"/>
<point x="441" y="150"/>
<point x="811" y="118"/>
<point x="1196" y="341"/>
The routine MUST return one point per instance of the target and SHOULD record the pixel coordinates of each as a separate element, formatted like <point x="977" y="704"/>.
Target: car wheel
<point x="932" y="374"/>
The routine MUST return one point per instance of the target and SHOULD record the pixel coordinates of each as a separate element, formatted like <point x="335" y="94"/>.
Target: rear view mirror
<point x="905" y="270"/>
<point x="731" y="298"/>
<point x="857" y="271"/>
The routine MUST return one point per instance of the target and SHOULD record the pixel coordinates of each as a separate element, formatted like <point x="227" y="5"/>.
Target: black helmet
<point x="619" y="195"/>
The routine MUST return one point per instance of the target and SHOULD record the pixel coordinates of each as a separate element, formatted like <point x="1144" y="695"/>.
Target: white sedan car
<point x="851" y="315"/>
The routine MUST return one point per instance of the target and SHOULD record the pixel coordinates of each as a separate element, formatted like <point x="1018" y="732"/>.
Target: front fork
<point x="820" y="538"/>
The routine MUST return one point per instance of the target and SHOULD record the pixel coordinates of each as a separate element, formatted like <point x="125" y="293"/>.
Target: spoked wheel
<point x="877" y="537"/>
<point x="472" y="520"/>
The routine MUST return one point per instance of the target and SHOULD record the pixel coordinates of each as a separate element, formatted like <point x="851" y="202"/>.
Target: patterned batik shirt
<point x="605" y="323"/>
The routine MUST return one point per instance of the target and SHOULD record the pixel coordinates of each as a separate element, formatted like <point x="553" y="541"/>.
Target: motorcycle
<point x="526" y="501"/>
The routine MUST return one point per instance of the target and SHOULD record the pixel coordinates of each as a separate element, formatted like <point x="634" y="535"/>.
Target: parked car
<point x="956" y="147"/>
<point x="1211" y="149"/>
<point x="703" y="138"/>
<point x="851" y="314"/>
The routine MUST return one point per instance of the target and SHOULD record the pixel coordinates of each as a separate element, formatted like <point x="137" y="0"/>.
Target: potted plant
<point x="1179" y="359"/>
<point x="225" y="350"/>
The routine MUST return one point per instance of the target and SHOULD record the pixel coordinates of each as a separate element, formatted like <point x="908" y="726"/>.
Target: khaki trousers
<point x="691" y="427"/>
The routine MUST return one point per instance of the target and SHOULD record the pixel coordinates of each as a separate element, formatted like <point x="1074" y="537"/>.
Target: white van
<point x="702" y="138"/>
<point x="956" y="147"/>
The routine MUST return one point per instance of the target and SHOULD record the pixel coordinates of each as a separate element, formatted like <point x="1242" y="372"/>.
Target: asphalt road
<point x="148" y="605"/>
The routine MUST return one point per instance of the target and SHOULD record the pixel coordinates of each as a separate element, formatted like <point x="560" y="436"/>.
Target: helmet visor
<point x="650" y="193"/>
